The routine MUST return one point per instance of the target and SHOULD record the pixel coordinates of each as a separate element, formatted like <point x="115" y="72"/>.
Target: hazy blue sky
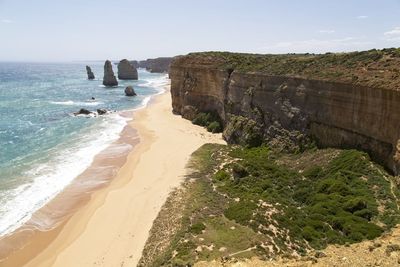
<point x="59" y="30"/>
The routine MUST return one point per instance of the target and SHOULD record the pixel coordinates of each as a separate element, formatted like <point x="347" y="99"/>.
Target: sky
<point x="74" y="30"/>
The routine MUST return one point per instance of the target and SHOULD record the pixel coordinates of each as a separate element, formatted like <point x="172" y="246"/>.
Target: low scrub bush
<point x="209" y="120"/>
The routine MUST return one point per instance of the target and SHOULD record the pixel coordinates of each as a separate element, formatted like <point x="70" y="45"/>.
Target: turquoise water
<point x="42" y="145"/>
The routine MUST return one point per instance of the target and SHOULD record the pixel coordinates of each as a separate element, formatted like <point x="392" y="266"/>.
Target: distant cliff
<point x="347" y="100"/>
<point x="156" y="65"/>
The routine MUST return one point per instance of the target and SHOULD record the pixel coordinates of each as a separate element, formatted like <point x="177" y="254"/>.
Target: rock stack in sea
<point x="109" y="78"/>
<point x="90" y="74"/>
<point x="129" y="91"/>
<point x="126" y="71"/>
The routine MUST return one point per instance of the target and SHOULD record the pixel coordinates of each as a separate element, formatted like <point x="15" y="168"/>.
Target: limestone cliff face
<point x="255" y="107"/>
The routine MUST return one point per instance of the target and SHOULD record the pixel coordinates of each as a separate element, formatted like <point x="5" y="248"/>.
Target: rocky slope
<point x="338" y="100"/>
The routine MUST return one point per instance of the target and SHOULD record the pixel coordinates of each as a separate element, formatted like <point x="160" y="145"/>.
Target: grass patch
<point x="257" y="202"/>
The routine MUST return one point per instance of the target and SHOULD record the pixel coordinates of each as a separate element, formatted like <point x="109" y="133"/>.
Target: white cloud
<point x="7" y="21"/>
<point x="362" y="17"/>
<point x="319" y="46"/>
<point x="393" y="35"/>
<point x="326" y="31"/>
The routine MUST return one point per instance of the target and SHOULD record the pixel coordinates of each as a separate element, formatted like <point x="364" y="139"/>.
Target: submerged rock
<point x="83" y="111"/>
<point x="109" y="78"/>
<point x="129" y="91"/>
<point x="89" y="72"/>
<point x="126" y="71"/>
<point x="102" y="111"/>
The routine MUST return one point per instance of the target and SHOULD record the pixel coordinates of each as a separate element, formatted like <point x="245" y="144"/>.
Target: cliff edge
<point x="347" y="100"/>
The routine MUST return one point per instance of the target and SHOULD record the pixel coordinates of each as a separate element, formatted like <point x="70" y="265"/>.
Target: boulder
<point x="129" y="91"/>
<point x="102" y="111"/>
<point x="83" y="111"/>
<point x="109" y="78"/>
<point x="126" y="71"/>
<point x="90" y="74"/>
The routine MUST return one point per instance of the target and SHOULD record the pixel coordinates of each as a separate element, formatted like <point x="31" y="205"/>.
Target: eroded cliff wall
<point x="288" y="111"/>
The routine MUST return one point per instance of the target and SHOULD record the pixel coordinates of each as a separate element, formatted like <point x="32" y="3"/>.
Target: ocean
<point x="43" y="147"/>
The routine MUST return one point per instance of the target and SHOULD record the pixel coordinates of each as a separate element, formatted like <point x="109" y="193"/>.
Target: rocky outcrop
<point x="156" y="65"/>
<point x="126" y="71"/>
<point x="89" y="72"/>
<point x="109" y="78"/>
<point x="289" y="111"/>
<point x="102" y="111"/>
<point x="129" y="91"/>
<point x="83" y="111"/>
<point x="88" y="113"/>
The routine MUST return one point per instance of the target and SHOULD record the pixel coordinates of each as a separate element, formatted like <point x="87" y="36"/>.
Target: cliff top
<point x="373" y="68"/>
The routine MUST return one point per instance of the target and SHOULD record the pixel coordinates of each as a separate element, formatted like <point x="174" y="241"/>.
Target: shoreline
<point x="20" y="245"/>
<point x="160" y="132"/>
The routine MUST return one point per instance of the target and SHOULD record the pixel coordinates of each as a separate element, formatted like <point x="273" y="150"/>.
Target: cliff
<point x="156" y="65"/>
<point x="347" y="100"/>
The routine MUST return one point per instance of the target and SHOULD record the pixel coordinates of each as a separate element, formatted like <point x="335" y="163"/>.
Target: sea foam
<point x="18" y="205"/>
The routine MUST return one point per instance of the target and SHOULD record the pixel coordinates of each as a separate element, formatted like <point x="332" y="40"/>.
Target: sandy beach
<point x="112" y="227"/>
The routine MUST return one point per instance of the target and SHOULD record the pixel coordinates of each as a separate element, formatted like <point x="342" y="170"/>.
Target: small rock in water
<point x="83" y="111"/>
<point x="129" y="91"/>
<point x="90" y="74"/>
<point x="102" y="111"/>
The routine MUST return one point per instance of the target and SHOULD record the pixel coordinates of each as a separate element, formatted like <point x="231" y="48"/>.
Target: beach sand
<point x="112" y="227"/>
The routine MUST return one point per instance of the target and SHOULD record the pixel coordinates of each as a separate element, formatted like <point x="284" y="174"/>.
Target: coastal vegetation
<point x="243" y="202"/>
<point x="374" y="68"/>
<point x="208" y="120"/>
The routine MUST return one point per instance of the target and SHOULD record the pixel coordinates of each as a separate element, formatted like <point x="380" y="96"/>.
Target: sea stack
<point x="109" y="77"/>
<point x="126" y="71"/>
<point x="90" y="74"/>
<point x="129" y="91"/>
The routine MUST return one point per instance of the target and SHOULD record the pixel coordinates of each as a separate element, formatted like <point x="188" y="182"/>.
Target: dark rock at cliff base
<point x="90" y="74"/>
<point x="129" y="91"/>
<point x="102" y="111"/>
<point x="126" y="71"/>
<point x="109" y="78"/>
<point x="83" y="111"/>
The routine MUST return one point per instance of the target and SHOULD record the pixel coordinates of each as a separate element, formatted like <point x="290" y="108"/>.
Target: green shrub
<point x="209" y="120"/>
<point x="240" y="212"/>
<point x="314" y="172"/>
<point x="221" y="175"/>
<point x="214" y="127"/>
<point x="355" y="204"/>
<point x="239" y="171"/>
<point x="202" y="119"/>
<point x="197" y="228"/>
